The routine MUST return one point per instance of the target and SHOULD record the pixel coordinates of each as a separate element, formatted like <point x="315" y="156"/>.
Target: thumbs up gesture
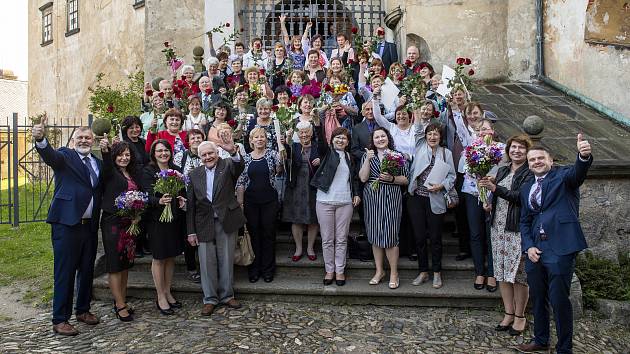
<point x="584" y="148"/>
<point x="39" y="130"/>
<point x="370" y="154"/>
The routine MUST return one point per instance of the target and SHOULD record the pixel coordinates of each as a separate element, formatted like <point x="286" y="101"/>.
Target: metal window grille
<point x="260" y="18"/>
<point x="47" y="26"/>
<point x="73" y="15"/>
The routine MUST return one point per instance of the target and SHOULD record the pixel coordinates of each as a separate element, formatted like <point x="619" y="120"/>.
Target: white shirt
<point x="339" y="192"/>
<point x="405" y="140"/>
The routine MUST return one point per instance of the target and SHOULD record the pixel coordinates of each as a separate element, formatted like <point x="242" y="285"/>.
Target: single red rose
<point x="471" y="72"/>
<point x="461" y="61"/>
<point x="274" y="108"/>
<point x="408" y="63"/>
<point x="261" y="72"/>
<point x="328" y="88"/>
<point x="184" y="77"/>
<point x="293" y="99"/>
<point x="227" y="24"/>
<point x="242" y="29"/>
<point x="354" y="30"/>
<point x="161" y="94"/>
<point x="257" y="45"/>
<point x="232" y="123"/>
<point x="166" y="44"/>
<point x="401" y="77"/>
<point x="380" y="32"/>
<point x="246" y="87"/>
<point x="110" y="108"/>
<point x="149" y="93"/>
<point x="350" y="61"/>
<point x="208" y="91"/>
<point x="289" y="83"/>
<point x="468" y="61"/>
<point x="436" y="113"/>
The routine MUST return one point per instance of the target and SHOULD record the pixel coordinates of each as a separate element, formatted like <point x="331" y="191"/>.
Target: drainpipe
<point x="542" y="76"/>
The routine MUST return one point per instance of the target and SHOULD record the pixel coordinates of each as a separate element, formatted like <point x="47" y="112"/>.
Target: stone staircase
<point x="302" y="281"/>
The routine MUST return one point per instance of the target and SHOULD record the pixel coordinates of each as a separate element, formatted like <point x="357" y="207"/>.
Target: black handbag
<point x="359" y="248"/>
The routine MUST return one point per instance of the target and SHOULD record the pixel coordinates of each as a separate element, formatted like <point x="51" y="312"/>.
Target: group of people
<point x="259" y="146"/>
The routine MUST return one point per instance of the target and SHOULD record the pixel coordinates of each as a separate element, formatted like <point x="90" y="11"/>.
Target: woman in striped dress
<point x="382" y="205"/>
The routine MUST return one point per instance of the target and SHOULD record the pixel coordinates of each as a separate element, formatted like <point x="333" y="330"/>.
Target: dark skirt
<point x="299" y="201"/>
<point x="166" y="239"/>
<point x="118" y="245"/>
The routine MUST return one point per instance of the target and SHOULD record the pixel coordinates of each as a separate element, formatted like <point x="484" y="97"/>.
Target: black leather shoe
<point x="176" y="304"/>
<point x="340" y="282"/>
<point x="516" y="332"/>
<point x="532" y="347"/>
<point x="327" y="281"/>
<point x="127" y="318"/>
<point x="268" y="278"/>
<point x="166" y="312"/>
<point x="491" y="289"/>
<point x="413" y="257"/>
<point x="254" y="278"/>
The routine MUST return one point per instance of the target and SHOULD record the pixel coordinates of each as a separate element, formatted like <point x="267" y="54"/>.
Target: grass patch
<point x="26" y="255"/>
<point x="34" y="201"/>
<point x="603" y="279"/>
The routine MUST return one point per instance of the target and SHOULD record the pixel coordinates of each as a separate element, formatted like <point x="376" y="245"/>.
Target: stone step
<point x="307" y="268"/>
<point x="294" y="288"/>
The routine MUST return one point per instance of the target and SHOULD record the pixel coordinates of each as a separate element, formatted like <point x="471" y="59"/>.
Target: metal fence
<point x="261" y="18"/>
<point x="26" y="182"/>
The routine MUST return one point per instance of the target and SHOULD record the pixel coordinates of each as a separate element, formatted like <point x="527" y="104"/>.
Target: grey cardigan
<point x="422" y="160"/>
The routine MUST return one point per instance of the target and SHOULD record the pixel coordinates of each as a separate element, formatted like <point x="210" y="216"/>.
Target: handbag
<point x="244" y="253"/>
<point x="451" y="196"/>
<point x="359" y="248"/>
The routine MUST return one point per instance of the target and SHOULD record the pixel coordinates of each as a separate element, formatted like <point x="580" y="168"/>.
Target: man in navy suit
<point x="74" y="218"/>
<point x="551" y="236"/>
<point x="387" y="51"/>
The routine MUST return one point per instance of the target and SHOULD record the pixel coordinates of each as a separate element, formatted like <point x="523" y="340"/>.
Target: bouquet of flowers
<point x="414" y="87"/>
<point x="131" y="204"/>
<point x="462" y="77"/>
<point x="169" y="182"/>
<point x="296" y="89"/>
<point x="481" y="156"/>
<point x="392" y="163"/>
<point x="183" y="91"/>
<point x="171" y="57"/>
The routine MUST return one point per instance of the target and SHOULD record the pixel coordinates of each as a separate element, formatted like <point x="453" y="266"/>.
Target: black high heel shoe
<point x="502" y="328"/>
<point x="127" y="318"/>
<point x="516" y="332"/>
<point x="480" y="286"/>
<point x="166" y="312"/>
<point x="130" y="309"/>
<point x="175" y="305"/>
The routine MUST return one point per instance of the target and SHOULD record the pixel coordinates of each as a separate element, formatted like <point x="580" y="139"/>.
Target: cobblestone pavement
<point x="295" y="328"/>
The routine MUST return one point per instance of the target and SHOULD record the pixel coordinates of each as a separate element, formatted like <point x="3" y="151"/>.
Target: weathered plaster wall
<point x="179" y="22"/>
<point x="110" y="40"/>
<point x="605" y="216"/>
<point x="490" y="32"/>
<point x="599" y="72"/>
<point x="521" y="39"/>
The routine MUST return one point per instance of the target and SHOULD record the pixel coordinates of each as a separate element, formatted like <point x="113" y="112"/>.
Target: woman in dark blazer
<point x="508" y="259"/>
<point x="299" y="197"/>
<point x="166" y="238"/>
<point x="119" y="175"/>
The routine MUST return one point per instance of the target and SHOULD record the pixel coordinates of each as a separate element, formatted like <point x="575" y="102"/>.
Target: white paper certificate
<point x="447" y="75"/>
<point x="438" y="173"/>
<point x="389" y="92"/>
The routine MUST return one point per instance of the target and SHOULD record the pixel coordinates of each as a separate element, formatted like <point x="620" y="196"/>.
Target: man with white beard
<point x="74" y="218"/>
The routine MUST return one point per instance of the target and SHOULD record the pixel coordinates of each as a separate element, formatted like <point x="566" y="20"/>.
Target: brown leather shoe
<point x="531" y="347"/>
<point x="233" y="304"/>
<point x="207" y="310"/>
<point x="87" y="318"/>
<point x="65" y="329"/>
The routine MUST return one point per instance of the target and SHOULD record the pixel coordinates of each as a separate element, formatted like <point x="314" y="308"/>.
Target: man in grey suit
<point x="213" y="218"/>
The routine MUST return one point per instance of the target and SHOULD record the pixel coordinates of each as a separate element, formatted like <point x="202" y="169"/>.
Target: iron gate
<point x="260" y="18"/>
<point x="26" y="181"/>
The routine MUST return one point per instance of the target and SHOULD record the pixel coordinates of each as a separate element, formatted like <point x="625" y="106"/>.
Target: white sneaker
<point x="422" y="278"/>
<point x="437" y="281"/>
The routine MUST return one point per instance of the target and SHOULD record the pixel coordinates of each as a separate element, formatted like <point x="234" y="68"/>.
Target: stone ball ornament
<point x="533" y="125"/>
<point x="198" y="51"/>
<point x="156" y="83"/>
<point x="101" y="126"/>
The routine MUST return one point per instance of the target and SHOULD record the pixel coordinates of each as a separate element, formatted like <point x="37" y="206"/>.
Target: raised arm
<point x="285" y="34"/>
<point x="378" y="117"/>
<point x="211" y="45"/>
<point x="51" y="157"/>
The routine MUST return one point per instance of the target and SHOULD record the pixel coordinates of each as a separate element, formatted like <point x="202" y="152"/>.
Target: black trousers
<point x="406" y="239"/>
<point x="261" y="224"/>
<point x="426" y="225"/>
<point x="190" y="255"/>
<point x="461" y="217"/>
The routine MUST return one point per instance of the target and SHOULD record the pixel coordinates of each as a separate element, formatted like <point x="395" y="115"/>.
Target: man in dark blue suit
<point x="74" y="218"/>
<point x="551" y="236"/>
<point x="387" y="51"/>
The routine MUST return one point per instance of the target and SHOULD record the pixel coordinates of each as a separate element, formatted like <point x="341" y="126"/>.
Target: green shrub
<point x="603" y="278"/>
